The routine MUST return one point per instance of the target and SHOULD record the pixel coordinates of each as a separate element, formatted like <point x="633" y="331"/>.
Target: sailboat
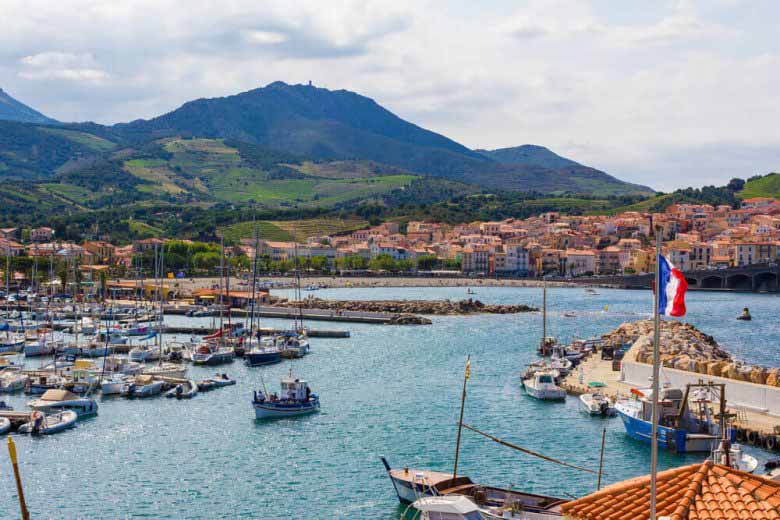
<point x="259" y="351"/>
<point x="295" y="343"/>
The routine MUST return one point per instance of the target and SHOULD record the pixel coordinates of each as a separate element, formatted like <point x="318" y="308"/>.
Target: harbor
<point x="386" y="391"/>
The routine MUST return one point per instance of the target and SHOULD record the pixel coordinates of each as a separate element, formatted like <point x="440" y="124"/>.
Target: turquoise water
<point x="390" y="391"/>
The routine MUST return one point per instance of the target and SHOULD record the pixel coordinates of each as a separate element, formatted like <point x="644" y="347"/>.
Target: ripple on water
<point x="390" y="391"/>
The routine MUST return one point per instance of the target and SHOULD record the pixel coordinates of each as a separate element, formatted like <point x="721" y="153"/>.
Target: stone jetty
<point x="409" y="307"/>
<point x="684" y="347"/>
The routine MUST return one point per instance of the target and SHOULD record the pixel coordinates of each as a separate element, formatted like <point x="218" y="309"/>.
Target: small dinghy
<point x="5" y="425"/>
<point x="41" y="424"/>
<point x="186" y="390"/>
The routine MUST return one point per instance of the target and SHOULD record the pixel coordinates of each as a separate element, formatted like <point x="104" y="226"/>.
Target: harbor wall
<point x="741" y="394"/>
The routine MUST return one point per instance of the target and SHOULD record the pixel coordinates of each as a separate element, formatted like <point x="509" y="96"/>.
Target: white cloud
<point x="265" y="37"/>
<point x="62" y="65"/>
<point x="624" y="87"/>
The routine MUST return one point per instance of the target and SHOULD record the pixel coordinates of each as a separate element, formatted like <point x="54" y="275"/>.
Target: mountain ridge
<point x="12" y="109"/>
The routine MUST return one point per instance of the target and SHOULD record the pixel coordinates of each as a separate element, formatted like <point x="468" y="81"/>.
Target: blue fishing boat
<point x="683" y="427"/>
<point x="295" y="399"/>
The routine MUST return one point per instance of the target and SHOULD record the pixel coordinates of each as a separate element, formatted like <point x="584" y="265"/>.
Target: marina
<point x="368" y="383"/>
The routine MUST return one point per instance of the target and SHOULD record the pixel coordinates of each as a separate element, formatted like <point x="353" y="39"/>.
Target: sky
<point x="664" y="93"/>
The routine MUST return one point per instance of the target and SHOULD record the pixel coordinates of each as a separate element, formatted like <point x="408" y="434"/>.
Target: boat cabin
<point x="58" y="395"/>
<point x="295" y="389"/>
<point x="447" y="508"/>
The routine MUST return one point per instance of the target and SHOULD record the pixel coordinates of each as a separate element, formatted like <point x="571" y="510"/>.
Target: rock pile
<point x="684" y="347"/>
<point x="440" y="307"/>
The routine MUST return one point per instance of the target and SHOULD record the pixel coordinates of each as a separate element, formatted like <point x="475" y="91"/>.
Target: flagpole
<point x="656" y="376"/>
<point x="460" y="421"/>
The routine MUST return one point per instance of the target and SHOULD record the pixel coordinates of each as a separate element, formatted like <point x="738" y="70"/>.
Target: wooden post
<point x="18" y="477"/>
<point x="460" y="421"/>
<point x="601" y="458"/>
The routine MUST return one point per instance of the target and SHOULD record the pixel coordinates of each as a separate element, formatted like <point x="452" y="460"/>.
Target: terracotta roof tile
<point x="703" y="491"/>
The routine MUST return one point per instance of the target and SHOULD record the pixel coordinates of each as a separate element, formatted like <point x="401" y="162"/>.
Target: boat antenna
<point x="656" y="375"/>
<point x="466" y="375"/>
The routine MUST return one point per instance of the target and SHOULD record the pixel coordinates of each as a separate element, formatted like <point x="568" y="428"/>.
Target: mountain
<point x="336" y="125"/>
<point x="13" y="110"/>
<point x="529" y="154"/>
<point x="312" y="133"/>
<point x="553" y="168"/>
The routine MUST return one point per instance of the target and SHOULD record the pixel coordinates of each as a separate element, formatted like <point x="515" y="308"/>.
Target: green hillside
<point x="766" y="186"/>
<point x="287" y="230"/>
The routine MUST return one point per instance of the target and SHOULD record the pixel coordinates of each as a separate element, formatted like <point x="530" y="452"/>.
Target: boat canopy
<point x="58" y="395"/>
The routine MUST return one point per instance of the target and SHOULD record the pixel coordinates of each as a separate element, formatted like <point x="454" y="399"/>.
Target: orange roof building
<point x="695" y="492"/>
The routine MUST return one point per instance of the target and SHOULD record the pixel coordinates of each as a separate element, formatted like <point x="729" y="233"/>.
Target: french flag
<point x="672" y="284"/>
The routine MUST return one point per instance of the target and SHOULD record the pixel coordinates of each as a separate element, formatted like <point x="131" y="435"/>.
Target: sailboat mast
<point x="460" y="420"/>
<point x="544" y="312"/>
<point x="221" y="289"/>
<point x="162" y="314"/>
<point x="656" y="376"/>
<point x="254" y="286"/>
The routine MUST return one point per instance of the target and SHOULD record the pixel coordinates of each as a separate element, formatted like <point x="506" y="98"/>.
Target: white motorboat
<point x="42" y="424"/>
<point x="5" y="425"/>
<point x="736" y="458"/>
<point x="143" y="353"/>
<point x="38" y="347"/>
<point x="166" y="370"/>
<point x="597" y="404"/>
<point x="58" y="400"/>
<point x="142" y="386"/>
<point x="113" y="384"/>
<point x="86" y="325"/>
<point x="541" y="385"/>
<point x="452" y="507"/>
<point x="294" y="345"/>
<point x="12" y="381"/>
<point x="121" y="365"/>
<point x="11" y="343"/>
<point x="295" y="399"/>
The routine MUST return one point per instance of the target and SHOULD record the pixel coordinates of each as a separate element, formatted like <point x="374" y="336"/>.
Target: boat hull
<point x="268" y="410"/>
<point x="218" y="358"/>
<point x="256" y="359"/>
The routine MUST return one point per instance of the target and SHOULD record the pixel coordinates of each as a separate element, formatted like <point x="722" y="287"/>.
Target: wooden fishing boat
<point x="296" y="399"/>
<point x="412" y="484"/>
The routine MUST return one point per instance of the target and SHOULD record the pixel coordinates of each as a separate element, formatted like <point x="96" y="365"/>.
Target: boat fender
<point x="740" y="435"/>
<point x="751" y="436"/>
<point x="771" y="442"/>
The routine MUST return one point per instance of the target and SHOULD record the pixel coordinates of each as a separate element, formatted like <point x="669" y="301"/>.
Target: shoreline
<point x="187" y="285"/>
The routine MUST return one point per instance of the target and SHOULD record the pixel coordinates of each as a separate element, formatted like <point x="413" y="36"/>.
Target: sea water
<point x="387" y="390"/>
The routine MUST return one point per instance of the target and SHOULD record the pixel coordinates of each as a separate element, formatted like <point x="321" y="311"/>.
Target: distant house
<point x="41" y="234"/>
<point x="147" y="244"/>
<point x="10" y="233"/>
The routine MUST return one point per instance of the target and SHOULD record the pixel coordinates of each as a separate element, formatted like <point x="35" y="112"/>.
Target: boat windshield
<point x="545" y="379"/>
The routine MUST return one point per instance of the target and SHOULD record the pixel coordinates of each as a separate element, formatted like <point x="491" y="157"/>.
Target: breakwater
<point x="435" y="307"/>
<point x="684" y="347"/>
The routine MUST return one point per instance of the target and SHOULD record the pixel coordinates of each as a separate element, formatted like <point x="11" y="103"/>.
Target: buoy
<point x="771" y="442"/>
<point x="740" y="435"/>
<point x="751" y="436"/>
